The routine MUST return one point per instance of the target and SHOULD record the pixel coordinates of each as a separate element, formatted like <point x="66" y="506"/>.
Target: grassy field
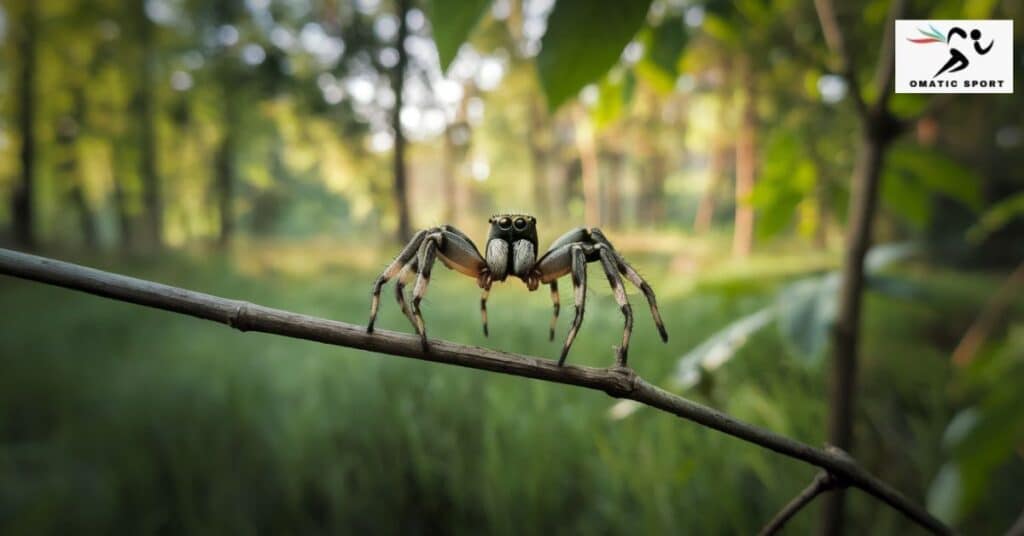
<point x="121" y="419"/>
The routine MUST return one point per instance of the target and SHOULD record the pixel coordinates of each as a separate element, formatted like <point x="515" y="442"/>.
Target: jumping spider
<point x="512" y="250"/>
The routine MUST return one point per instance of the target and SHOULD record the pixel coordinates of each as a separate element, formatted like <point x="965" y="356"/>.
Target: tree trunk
<point x="613" y="188"/>
<point x="125" y="225"/>
<point x="539" y="157"/>
<point x="586" y="146"/>
<point x="22" y="200"/>
<point x="716" y="176"/>
<point x="225" y="169"/>
<point x="846" y="332"/>
<point x="448" y="170"/>
<point x="398" y="84"/>
<point x="69" y="130"/>
<point x="144" y="98"/>
<point x="879" y="129"/>
<point x="746" y="168"/>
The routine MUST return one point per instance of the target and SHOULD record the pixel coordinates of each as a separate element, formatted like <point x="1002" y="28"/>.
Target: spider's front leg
<point x="566" y="259"/>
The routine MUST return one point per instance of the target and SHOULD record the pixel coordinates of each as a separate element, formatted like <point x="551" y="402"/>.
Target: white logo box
<point x="925" y="47"/>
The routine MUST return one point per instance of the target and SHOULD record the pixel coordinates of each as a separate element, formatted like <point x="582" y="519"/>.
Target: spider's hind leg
<point x="635" y="278"/>
<point x="403" y="258"/>
<point x="615" y="280"/>
<point x="579" y="287"/>
<point x="400" y="281"/>
<point x="426" y="263"/>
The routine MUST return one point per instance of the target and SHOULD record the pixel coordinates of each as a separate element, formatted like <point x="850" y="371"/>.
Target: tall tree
<point x="586" y="146"/>
<point x="69" y="129"/>
<point x="145" y="103"/>
<point x="400" y="190"/>
<point x="539" y="143"/>
<point x="746" y="163"/>
<point x="879" y="127"/>
<point x="22" y="202"/>
<point x="225" y="166"/>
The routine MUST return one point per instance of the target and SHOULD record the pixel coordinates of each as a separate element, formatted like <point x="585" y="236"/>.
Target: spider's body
<point x="511" y="250"/>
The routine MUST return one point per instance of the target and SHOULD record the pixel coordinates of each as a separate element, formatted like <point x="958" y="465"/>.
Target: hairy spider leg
<point x="635" y="278"/>
<point x="401" y="280"/>
<point x="615" y="280"/>
<point x="579" y="287"/>
<point x="483" y="304"/>
<point x="455" y="250"/>
<point x="557" y="305"/>
<point x="410" y="251"/>
<point x="426" y="262"/>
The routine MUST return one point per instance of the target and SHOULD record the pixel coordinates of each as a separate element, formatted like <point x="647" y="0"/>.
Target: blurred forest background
<point x="281" y="151"/>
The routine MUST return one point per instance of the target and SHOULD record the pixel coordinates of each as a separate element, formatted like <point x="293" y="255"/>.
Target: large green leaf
<point x="719" y="348"/>
<point x="807" y="310"/>
<point x="584" y="39"/>
<point x="452" y="22"/>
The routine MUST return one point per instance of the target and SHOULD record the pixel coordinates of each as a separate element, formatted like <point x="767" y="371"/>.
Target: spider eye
<point x="520" y="224"/>
<point x="504" y="223"/>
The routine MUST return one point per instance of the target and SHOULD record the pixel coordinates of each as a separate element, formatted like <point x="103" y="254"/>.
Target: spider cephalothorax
<point x="511" y="249"/>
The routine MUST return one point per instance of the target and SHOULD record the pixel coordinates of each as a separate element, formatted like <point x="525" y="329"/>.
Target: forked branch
<point x="822" y="482"/>
<point x="617" y="382"/>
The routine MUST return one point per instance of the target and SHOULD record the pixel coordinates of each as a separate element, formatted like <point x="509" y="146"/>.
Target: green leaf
<point x="933" y="172"/>
<point x="719" y="348"/>
<point x="900" y="195"/>
<point x="996" y="217"/>
<point x="807" y="310"/>
<point x="882" y="255"/>
<point x="787" y="178"/>
<point x="452" y="22"/>
<point x="584" y="39"/>
<point x="944" y="495"/>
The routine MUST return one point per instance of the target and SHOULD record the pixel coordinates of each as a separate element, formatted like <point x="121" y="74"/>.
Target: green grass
<point x="122" y="419"/>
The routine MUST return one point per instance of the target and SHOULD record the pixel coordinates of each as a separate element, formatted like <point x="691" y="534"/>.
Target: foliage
<point x="985" y="435"/>
<point x="583" y="40"/>
<point x="452" y="21"/>
<point x="804" y="312"/>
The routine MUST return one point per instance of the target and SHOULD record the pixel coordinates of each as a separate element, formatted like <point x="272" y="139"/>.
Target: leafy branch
<point x="617" y="382"/>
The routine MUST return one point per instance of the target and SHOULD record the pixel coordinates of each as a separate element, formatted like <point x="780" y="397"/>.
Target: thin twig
<point x="977" y="334"/>
<point x="886" y="67"/>
<point x="822" y="482"/>
<point x="617" y="382"/>
<point x="836" y="42"/>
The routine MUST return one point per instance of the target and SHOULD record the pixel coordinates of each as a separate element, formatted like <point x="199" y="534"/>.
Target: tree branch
<point x="836" y="42"/>
<point x="822" y="482"/>
<point x="886" y="68"/>
<point x="617" y="382"/>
